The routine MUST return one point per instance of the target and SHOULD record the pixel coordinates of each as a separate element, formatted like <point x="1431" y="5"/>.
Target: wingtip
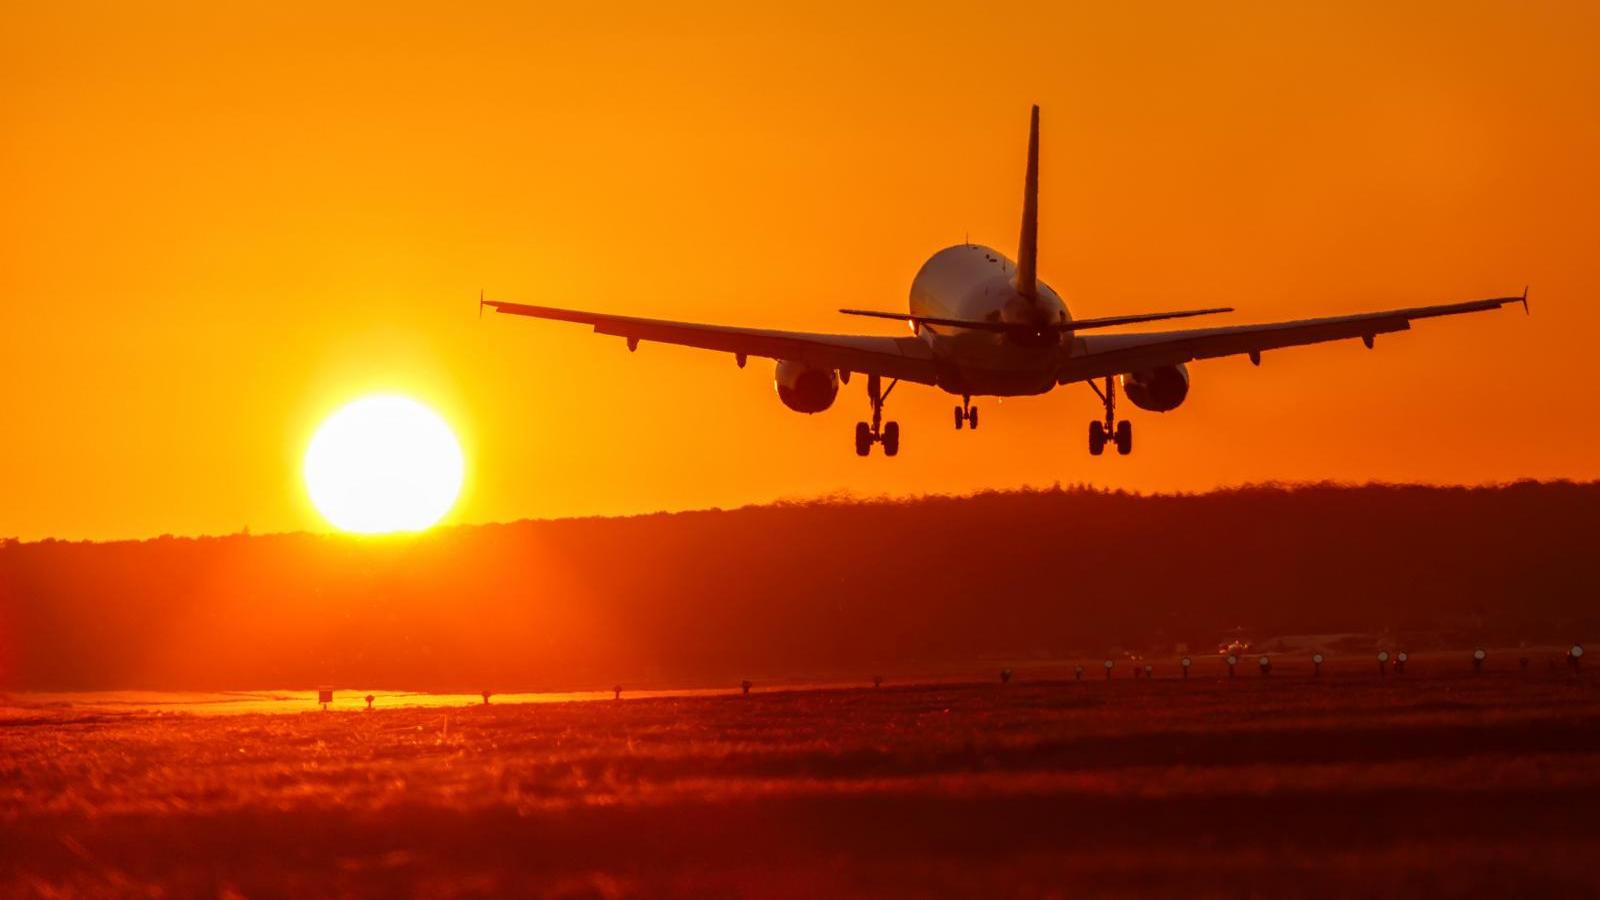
<point x="1525" y="310"/>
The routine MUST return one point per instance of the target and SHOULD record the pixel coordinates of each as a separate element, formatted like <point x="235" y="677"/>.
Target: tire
<point x="1124" y="437"/>
<point x="961" y="418"/>
<point x="1097" y="439"/>
<point x="972" y="418"/>
<point x="891" y="438"/>
<point x="863" y="439"/>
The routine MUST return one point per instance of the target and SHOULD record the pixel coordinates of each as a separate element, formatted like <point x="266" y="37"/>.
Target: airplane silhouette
<point x="984" y="325"/>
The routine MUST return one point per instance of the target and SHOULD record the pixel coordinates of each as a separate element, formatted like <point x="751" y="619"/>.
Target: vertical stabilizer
<point x="1028" y="246"/>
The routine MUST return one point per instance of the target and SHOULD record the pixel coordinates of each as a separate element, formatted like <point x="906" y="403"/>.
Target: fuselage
<point x="977" y="283"/>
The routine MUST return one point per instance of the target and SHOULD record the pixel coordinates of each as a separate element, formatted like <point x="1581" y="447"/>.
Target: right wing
<point x="1098" y="356"/>
<point x="905" y="358"/>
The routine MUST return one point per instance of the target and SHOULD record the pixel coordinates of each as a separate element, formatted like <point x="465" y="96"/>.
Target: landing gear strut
<point x="966" y="413"/>
<point x="1120" y="433"/>
<point x="879" y="432"/>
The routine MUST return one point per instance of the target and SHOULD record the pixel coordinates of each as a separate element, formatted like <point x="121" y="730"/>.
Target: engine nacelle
<point x="803" y="388"/>
<point x="1161" y="389"/>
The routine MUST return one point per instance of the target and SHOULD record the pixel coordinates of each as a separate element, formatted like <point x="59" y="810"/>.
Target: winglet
<point x="1525" y="301"/>
<point x="480" y="303"/>
<point x="1028" y="246"/>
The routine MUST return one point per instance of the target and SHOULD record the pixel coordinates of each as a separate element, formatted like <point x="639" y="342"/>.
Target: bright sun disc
<point x="382" y="464"/>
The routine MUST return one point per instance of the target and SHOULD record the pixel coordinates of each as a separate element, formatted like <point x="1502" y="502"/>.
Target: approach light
<point x="1479" y="654"/>
<point x="1576" y="651"/>
<point x="1187" y="662"/>
<point x="1232" y="660"/>
<point x="1316" y="658"/>
<point x="1109" y="664"/>
<point x="1383" y="656"/>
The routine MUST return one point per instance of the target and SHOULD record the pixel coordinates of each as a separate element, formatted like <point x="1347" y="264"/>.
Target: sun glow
<point x="383" y="463"/>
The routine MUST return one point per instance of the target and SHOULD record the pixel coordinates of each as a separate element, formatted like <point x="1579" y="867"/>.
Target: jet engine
<point x="1161" y="389"/>
<point x="804" y="388"/>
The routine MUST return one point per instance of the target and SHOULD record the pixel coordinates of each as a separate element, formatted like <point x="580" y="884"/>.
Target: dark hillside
<point x="833" y="588"/>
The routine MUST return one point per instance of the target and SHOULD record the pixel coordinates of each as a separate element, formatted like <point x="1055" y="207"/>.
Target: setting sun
<point x="383" y="464"/>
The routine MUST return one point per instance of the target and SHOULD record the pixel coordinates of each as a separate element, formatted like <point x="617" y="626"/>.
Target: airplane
<point x="983" y="325"/>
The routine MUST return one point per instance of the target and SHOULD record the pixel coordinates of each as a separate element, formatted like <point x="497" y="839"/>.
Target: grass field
<point x="1437" y="782"/>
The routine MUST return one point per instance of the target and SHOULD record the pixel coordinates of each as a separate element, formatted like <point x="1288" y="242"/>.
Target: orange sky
<point x="217" y="227"/>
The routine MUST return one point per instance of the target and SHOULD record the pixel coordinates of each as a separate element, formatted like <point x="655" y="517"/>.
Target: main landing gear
<point x="966" y="413"/>
<point x="1120" y="433"/>
<point x="879" y="432"/>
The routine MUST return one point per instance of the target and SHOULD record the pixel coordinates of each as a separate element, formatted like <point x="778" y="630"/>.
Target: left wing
<point x="905" y="358"/>
<point x="1098" y="356"/>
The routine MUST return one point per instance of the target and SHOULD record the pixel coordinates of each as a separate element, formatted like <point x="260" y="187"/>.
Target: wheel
<point x="863" y="439"/>
<point x="1124" y="437"/>
<point x="972" y="418"/>
<point x="891" y="438"/>
<point x="961" y="418"/>
<point x="1097" y="439"/>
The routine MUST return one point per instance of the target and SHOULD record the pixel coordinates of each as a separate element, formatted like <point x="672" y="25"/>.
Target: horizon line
<point x="838" y="498"/>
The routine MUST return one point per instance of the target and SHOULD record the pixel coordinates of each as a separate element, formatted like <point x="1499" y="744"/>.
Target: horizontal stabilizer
<point x="1074" y="325"/>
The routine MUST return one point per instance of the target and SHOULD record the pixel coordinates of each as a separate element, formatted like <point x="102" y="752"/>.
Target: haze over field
<point x="1346" y="786"/>
<point x="826" y="590"/>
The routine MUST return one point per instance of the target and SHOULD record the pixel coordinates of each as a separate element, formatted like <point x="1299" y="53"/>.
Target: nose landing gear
<point x="1119" y="433"/>
<point x="966" y="413"/>
<point x="879" y="432"/>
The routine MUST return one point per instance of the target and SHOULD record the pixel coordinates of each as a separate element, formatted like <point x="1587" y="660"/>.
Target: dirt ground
<point x="1438" y="782"/>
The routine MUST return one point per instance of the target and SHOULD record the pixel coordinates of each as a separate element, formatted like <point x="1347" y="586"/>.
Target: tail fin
<point x="1028" y="251"/>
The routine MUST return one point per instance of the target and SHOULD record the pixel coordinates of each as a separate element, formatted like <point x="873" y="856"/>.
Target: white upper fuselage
<point x="972" y="282"/>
